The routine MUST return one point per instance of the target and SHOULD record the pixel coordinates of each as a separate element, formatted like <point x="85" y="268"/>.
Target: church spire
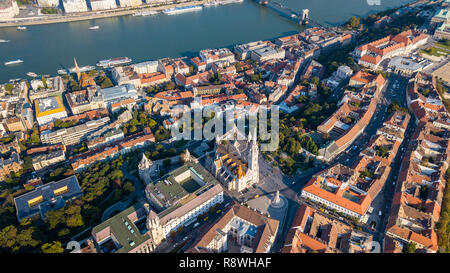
<point x="77" y="69"/>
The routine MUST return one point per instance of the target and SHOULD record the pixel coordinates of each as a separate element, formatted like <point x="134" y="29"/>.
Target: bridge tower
<point x="305" y="16"/>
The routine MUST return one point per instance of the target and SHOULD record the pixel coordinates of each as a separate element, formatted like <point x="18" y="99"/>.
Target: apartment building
<point x="71" y="6"/>
<point x="395" y="126"/>
<point x="130" y="3"/>
<point x="85" y="100"/>
<point x="73" y="135"/>
<point x="238" y="230"/>
<point x="102" y="4"/>
<point x="44" y="160"/>
<point x="8" y="9"/>
<point x="53" y="86"/>
<point x="315" y="232"/>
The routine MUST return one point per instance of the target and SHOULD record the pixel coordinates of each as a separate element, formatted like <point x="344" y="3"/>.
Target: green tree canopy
<point x="54" y="247"/>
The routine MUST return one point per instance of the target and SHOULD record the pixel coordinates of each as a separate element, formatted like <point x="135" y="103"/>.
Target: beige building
<point x="102" y="4"/>
<point x="48" y="3"/>
<point x="15" y="124"/>
<point x="8" y="9"/>
<point x="130" y="3"/>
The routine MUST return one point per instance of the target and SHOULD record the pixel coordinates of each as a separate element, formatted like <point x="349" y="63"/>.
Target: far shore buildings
<point x="315" y="232"/>
<point x="238" y="230"/>
<point x="71" y="6"/>
<point x="47" y="3"/>
<point x="50" y="196"/>
<point x="49" y="109"/>
<point x="102" y="4"/>
<point x="175" y="200"/>
<point x="8" y="9"/>
<point x="130" y="3"/>
<point x="373" y="53"/>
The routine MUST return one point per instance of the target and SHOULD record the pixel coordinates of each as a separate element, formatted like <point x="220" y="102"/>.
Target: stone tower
<point x="187" y="156"/>
<point x="305" y="16"/>
<point x="146" y="169"/>
<point x="154" y="226"/>
<point x="253" y="164"/>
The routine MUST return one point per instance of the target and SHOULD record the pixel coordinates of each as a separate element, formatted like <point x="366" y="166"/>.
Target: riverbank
<point x="91" y="15"/>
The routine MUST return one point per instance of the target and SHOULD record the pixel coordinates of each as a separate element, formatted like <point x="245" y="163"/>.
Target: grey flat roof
<point x="50" y="201"/>
<point x="127" y="235"/>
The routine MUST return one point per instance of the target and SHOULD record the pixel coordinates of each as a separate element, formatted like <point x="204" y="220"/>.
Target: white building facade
<point x="71" y="6"/>
<point x="8" y="9"/>
<point x="130" y="3"/>
<point x="48" y="3"/>
<point x="103" y="4"/>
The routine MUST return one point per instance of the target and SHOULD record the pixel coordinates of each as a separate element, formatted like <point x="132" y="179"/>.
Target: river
<point x="47" y="48"/>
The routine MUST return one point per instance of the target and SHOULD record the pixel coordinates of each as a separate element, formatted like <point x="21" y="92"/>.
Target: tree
<point x="44" y="82"/>
<point x="9" y="87"/>
<point x="128" y="187"/>
<point x="55" y="218"/>
<point x="8" y="237"/>
<point x="169" y="86"/>
<point x="238" y="66"/>
<point x="410" y="247"/>
<point x="167" y="162"/>
<point x="35" y="136"/>
<point x="152" y="123"/>
<point x="54" y="247"/>
<point x="354" y="22"/>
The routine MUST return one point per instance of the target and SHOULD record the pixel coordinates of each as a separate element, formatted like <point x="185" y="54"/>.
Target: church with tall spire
<point x="77" y="69"/>
<point x="84" y="79"/>
<point x="235" y="162"/>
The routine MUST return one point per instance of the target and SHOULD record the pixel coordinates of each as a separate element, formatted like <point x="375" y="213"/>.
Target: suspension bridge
<point x="281" y="7"/>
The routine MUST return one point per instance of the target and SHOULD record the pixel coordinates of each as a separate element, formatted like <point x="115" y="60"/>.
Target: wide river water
<point x="47" y="48"/>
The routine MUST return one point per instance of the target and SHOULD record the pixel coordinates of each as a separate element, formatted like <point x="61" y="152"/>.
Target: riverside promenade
<point x="52" y="19"/>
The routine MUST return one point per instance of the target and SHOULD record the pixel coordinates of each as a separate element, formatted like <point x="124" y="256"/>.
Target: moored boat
<point x="113" y="62"/>
<point x="18" y="61"/>
<point x="181" y="10"/>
